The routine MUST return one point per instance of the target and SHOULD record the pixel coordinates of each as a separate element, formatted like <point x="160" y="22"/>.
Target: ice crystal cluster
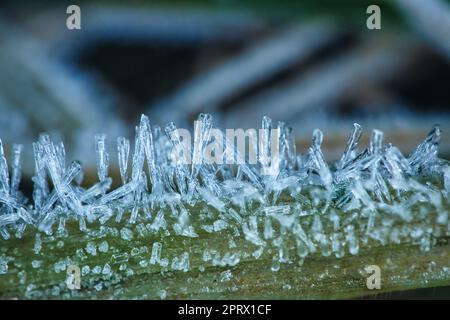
<point x="370" y="196"/>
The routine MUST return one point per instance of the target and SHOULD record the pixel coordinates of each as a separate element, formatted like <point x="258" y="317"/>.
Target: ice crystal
<point x="103" y="247"/>
<point x="91" y="249"/>
<point x="260" y="208"/>
<point x="126" y="234"/>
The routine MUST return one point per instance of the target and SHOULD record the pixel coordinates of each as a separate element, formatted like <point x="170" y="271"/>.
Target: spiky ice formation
<point x="370" y="196"/>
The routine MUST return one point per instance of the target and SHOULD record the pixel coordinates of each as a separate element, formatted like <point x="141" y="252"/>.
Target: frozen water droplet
<point x="103" y="246"/>
<point x="226" y="276"/>
<point x="106" y="270"/>
<point x="126" y="234"/>
<point x="37" y="244"/>
<point x="162" y="294"/>
<point x="275" y="264"/>
<point x="91" y="249"/>
<point x="36" y="263"/>
<point x="85" y="270"/>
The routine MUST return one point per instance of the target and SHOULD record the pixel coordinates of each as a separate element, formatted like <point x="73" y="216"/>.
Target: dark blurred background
<point x="313" y="64"/>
